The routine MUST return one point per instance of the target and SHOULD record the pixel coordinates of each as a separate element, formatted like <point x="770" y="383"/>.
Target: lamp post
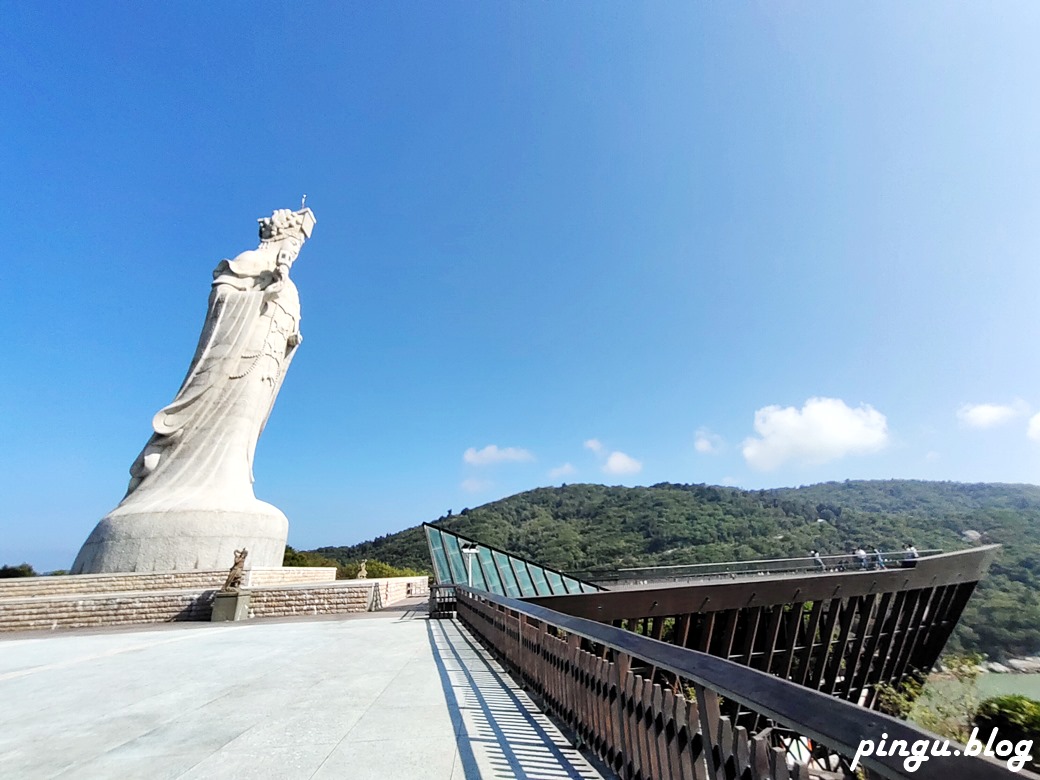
<point x="469" y="550"/>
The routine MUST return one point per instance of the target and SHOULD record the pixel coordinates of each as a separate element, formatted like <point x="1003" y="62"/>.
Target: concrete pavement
<point x="378" y="695"/>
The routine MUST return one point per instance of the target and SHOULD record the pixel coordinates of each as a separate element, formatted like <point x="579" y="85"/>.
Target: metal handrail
<point x="756" y="566"/>
<point x="837" y="724"/>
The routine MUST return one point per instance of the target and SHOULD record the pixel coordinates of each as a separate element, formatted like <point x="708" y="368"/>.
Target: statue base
<point x="184" y="539"/>
<point x="230" y="605"/>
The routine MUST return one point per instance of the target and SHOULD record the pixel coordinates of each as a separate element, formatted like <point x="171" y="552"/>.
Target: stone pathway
<point x="384" y="695"/>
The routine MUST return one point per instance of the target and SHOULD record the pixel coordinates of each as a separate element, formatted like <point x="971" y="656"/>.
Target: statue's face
<point x="288" y="251"/>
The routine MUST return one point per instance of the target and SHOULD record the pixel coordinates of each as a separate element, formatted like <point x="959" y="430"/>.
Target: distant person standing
<point x="879" y="560"/>
<point x="861" y="556"/>
<point x="910" y="555"/>
<point x="818" y="561"/>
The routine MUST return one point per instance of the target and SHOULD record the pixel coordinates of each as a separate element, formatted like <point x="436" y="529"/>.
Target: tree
<point x="945" y="705"/>
<point x="22" y="570"/>
<point x="374" y="569"/>
<point x="1016" y="718"/>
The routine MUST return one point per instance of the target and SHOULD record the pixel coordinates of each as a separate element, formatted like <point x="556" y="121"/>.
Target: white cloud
<point x="823" y="429"/>
<point x="595" y="445"/>
<point x="990" y="415"/>
<point x="706" y="442"/>
<point x="1033" y="431"/>
<point x="562" y="471"/>
<point x="492" y="454"/>
<point x="620" y="463"/>
<point x="931" y="456"/>
<point x="473" y="485"/>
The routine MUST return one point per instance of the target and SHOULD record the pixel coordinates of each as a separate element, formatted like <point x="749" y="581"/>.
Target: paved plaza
<point x="379" y="695"/>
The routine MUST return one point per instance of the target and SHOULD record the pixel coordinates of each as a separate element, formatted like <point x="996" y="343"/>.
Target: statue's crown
<point x="285" y="223"/>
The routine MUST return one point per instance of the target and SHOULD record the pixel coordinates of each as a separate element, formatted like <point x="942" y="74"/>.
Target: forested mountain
<point x="594" y="526"/>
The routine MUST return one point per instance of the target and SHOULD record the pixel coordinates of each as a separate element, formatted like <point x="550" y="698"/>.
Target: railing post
<point x="622" y="666"/>
<point x="708" y="707"/>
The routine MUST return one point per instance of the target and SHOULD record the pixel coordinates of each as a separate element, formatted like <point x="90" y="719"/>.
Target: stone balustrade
<point x="107" y="609"/>
<point x="51" y="607"/>
<point x="26" y="587"/>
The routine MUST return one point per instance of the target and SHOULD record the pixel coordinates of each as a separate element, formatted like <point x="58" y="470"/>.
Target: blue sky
<point x="751" y="244"/>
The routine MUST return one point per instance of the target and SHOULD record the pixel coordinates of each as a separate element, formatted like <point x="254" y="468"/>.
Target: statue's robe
<point x="207" y="435"/>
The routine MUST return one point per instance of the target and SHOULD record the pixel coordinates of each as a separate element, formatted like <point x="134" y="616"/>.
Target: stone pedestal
<point x="232" y="605"/>
<point x="185" y="538"/>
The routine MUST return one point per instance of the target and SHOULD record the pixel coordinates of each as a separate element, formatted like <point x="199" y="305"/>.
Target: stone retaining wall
<point x="104" y="609"/>
<point x="287" y="575"/>
<point x="341" y="597"/>
<point x="328" y="600"/>
<point x="79" y="610"/>
<point x="25" y="587"/>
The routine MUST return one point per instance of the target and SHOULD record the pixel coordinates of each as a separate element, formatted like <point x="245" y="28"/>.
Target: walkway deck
<point x="383" y="695"/>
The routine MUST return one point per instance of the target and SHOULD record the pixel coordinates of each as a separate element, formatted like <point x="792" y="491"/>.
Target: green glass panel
<point x="440" y="560"/>
<point x="555" y="582"/>
<point x="523" y="576"/>
<point x="541" y="587"/>
<point x="508" y="577"/>
<point x="494" y="570"/>
<point x="458" y="566"/>
<point x="479" y="580"/>
<point x="571" y="584"/>
<point x="487" y="564"/>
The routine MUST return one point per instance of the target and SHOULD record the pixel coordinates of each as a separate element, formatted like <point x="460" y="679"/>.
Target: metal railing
<point x="638" y="575"/>
<point x="652" y="710"/>
<point x="442" y="601"/>
<point x="840" y="632"/>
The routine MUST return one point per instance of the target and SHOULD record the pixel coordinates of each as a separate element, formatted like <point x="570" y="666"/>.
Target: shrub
<point x="22" y="570"/>
<point x="1016" y="717"/>
<point x="374" y="568"/>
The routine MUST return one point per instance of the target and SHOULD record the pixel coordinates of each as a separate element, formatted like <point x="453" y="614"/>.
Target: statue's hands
<point x="276" y="280"/>
<point x="295" y="340"/>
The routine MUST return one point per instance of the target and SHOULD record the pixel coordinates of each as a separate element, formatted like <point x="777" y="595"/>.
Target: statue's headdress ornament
<point x="285" y="223"/>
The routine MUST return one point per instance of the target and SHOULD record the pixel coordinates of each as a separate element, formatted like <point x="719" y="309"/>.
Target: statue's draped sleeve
<point x="230" y="321"/>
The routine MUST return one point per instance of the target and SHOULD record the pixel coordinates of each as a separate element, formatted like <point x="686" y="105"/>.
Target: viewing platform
<point x="642" y="576"/>
<point x="763" y="678"/>
<point x="374" y="695"/>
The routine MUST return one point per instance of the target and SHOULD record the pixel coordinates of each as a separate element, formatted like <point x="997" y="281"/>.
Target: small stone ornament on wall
<point x="234" y="578"/>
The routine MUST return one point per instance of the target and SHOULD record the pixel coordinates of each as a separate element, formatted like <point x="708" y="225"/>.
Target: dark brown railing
<point x="654" y="710"/>
<point x="842" y="633"/>
<point x="442" y="601"/>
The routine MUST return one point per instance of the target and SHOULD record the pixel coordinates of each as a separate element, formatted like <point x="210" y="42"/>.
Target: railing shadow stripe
<point x="513" y="737"/>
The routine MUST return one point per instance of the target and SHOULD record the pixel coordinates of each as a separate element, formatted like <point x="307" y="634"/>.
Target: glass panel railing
<point x="487" y="565"/>
<point x="458" y="565"/>
<point x="512" y="588"/>
<point x="541" y="586"/>
<point x="523" y="576"/>
<point x="440" y="561"/>
<point x="555" y="582"/>
<point x="495" y="570"/>
<point x="572" y="585"/>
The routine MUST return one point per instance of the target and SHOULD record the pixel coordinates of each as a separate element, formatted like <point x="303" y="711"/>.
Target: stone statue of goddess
<point x="190" y="502"/>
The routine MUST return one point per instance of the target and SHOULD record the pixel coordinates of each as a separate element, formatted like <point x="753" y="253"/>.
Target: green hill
<point x="594" y="526"/>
